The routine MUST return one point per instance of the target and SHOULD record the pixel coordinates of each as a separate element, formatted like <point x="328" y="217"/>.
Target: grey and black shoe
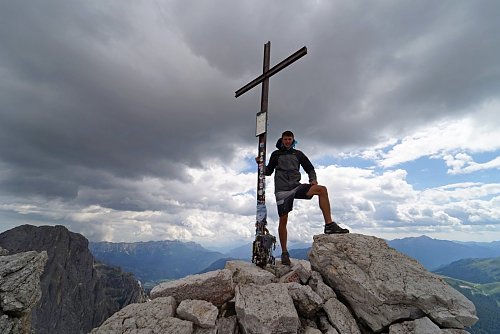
<point x="285" y="259"/>
<point x="333" y="228"/>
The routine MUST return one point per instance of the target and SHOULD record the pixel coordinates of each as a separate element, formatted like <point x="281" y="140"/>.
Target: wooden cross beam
<point x="261" y="130"/>
<point x="270" y="72"/>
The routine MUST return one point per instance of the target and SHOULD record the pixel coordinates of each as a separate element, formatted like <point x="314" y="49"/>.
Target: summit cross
<point x="261" y="124"/>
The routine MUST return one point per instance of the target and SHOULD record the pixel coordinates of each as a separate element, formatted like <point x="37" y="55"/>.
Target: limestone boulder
<point x="279" y="270"/>
<point x="20" y="281"/>
<point x="311" y="330"/>
<point x="227" y="325"/>
<point x="266" y="309"/>
<point x="203" y="330"/>
<point x="318" y="285"/>
<point x="155" y="317"/>
<point x="246" y="273"/>
<point x="454" y="331"/>
<point x="298" y="274"/>
<point x="305" y="263"/>
<point x="20" y="289"/>
<point x="215" y="287"/>
<point x="383" y="286"/>
<point x="306" y="301"/>
<point x="340" y="317"/>
<point x="325" y="325"/>
<point x="422" y="325"/>
<point x="200" y="312"/>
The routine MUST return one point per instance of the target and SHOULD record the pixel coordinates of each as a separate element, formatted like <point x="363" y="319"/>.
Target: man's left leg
<point x="324" y="201"/>
<point x="283" y="234"/>
<point x="324" y="204"/>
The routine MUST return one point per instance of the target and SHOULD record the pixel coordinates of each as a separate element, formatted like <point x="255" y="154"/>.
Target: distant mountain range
<point x="434" y="253"/>
<point x="154" y="261"/>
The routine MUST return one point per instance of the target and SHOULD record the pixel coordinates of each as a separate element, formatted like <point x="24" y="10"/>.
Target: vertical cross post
<point x="261" y="180"/>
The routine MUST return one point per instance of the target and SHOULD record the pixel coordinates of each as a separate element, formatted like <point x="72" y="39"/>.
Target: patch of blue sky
<point x="484" y="157"/>
<point x="250" y="165"/>
<point x="426" y="172"/>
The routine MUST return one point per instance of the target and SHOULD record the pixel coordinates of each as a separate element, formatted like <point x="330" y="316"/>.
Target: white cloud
<point x="449" y="140"/>
<point x="462" y="163"/>
<point x="218" y="208"/>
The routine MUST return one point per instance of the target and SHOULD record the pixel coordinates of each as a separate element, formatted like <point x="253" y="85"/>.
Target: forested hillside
<point x="478" y="280"/>
<point x="486" y="298"/>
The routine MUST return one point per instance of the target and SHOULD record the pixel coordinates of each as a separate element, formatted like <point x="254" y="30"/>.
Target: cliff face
<point x="77" y="293"/>
<point x="19" y="289"/>
<point x="353" y="284"/>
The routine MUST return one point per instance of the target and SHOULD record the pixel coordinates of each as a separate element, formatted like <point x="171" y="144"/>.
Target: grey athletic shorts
<point x="284" y="199"/>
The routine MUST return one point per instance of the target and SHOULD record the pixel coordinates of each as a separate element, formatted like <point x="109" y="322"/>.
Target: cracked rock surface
<point x="19" y="289"/>
<point x="382" y="285"/>
<point x="352" y="284"/>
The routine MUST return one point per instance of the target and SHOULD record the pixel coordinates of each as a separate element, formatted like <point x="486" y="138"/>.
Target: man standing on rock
<point x="286" y="161"/>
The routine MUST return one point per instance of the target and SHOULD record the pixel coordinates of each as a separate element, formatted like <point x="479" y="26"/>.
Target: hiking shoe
<point x="333" y="228"/>
<point x="285" y="259"/>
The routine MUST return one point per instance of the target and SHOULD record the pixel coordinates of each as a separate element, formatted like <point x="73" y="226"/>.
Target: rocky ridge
<point x="352" y="284"/>
<point x="19" y="289"/>
<point x="77" y="293"/>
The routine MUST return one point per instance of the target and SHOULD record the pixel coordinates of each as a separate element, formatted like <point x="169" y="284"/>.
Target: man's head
<point x="287" y="139"/>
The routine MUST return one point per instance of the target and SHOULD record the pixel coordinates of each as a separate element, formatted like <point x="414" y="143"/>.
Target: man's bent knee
<point x="317" y="190"/>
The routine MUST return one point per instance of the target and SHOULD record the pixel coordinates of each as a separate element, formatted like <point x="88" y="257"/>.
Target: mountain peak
<point x="352" y="284"/>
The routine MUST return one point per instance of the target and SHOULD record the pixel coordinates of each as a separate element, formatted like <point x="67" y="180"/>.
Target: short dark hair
<point x="287" y="133"/>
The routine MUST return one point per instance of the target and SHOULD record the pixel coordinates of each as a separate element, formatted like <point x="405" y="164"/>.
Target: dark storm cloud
<point x="436" y="59"/>
<point x="67" y="104"/>
<point x="90" y="90"/>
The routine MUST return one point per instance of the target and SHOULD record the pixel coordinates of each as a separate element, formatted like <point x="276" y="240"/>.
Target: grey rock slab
<point x="266" y="309"/>
<point x="298" y="274"/>
<point x="340" y="317"/>
<point x="19" y="289"/>
<point x="246" y="273"/>
<point x="418" y="326"/>
<point x="156" y="316"/>
<point x="306" y="301"/>
<point x="454" y="331"/>
<point x="383" y="286"/>
<point x="215" y="287"/>
<point x="311" y="330"/>
<point x="278" y="270"/>
<point x="203" y="330"/>
<point x="325" y="325"/>
<point x="20" y="281"/>
<point x="318" y="285"/>
<point x="227" y="325"/>
<point x="306" y="264"/>
<point x="199" y="312"/>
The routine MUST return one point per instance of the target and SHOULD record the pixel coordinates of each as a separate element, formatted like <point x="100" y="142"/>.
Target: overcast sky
<point x="118" y="118"/>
